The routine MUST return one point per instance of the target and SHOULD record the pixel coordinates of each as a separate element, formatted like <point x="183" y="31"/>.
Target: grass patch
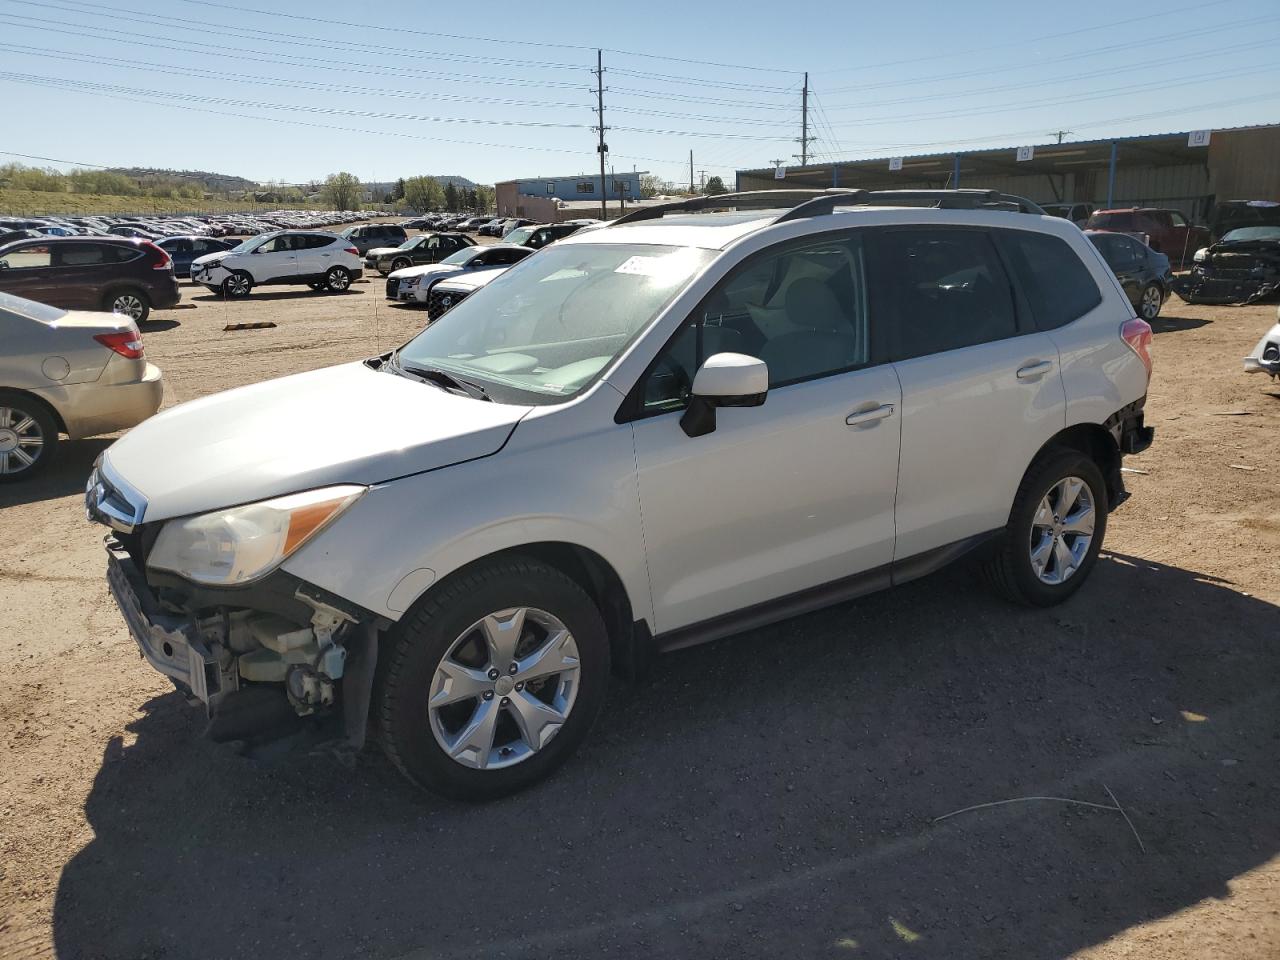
<point x="35" y="203"/>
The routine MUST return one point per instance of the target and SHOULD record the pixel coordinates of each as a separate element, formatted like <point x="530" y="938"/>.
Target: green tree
<point x="451" y="199"/>
<point x="423" y="194"/>
<point x="484" y="199"/>
<point x="714" y="187"/>
<point x="341" y="191"/>
<point x="397" y="192"/>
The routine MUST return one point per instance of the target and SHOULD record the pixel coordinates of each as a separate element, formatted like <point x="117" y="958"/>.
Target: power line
<point x="1022" y="43"/>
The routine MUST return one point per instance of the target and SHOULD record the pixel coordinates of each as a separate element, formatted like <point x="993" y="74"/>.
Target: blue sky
<point x="291" y="91"/>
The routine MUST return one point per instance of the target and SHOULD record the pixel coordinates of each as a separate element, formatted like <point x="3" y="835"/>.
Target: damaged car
<point x="1265" y="357"/>
<point x="1242" y="267"/>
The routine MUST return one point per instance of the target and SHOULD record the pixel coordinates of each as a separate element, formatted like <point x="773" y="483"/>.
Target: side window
<point x="1128" y="252"/>
<point x="433" y="243"/>
<point x="802" y="309"/>
<point x="313" y="242"/>
<point x="28" y="258"/>
<point x="81" y="255"/>
<point x="1058" y="287"/>
<point x="947" y="289"/>
<point x="1178" y="219"/>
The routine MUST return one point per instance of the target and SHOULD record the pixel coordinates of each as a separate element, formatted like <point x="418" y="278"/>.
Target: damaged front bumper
<point x="1232" y="275"/>
<point x="258" y="673"/>
<point x="1265" y="357"/>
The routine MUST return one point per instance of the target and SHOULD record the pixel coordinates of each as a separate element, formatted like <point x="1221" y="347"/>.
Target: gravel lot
<point x="768" y="796"/>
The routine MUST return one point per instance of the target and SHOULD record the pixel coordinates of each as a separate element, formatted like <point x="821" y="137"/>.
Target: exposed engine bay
<point x="1242" y="267"/>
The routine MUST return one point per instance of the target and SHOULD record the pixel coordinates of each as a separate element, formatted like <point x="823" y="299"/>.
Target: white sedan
<point x="412" y="284"/>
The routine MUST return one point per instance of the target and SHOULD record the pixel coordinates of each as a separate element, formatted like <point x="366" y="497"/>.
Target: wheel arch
<point x="590" y="571"/>
<point x="1096" y="442"/>
<point x="45" y="404"/>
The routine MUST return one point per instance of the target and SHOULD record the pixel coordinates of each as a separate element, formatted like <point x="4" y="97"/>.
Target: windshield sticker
<point x="643" y="266"/>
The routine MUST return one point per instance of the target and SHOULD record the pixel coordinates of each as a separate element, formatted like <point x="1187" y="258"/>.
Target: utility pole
<point x="805" y="139"/>
<point x="691" y="171"/>
<point x="1060" y="134"/>
<point x="702" y="179"/>
<point x="601" y="148"/>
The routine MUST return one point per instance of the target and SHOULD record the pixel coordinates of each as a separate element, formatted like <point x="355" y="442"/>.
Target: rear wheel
<point x="238" y="284"/>
<point x="1152" y="300"/>
<point x="130" y="303"/>
<point x="493" y="681"/>
<point x="399" y="263"/>
<point x="338" y="279"/>
<point x="1054" y="533"/>
<point x="28" y="436"/>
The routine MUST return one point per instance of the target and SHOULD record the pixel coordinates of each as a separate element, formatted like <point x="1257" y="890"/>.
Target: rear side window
<point x="313" y="241"/>
<point x="1112" y="221"/>
<point x="944" y="289"/>
<point x="1058" y="287"/>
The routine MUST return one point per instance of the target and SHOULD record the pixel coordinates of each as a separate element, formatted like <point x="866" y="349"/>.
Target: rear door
<point x="316" y="254"/>
<point x="27" y="271"/>
<point x="981" y="388"/>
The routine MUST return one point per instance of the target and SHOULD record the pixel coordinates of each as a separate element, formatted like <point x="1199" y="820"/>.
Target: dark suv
<point x="538" y="236"/>
<point x="75" y="273"/>
<point x="372" y="235"/>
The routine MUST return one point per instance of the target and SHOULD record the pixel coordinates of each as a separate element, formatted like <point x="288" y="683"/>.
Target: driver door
<point x="785" y="497"/>
<point x="275" y="260"/>
<point x="428" y="251"/>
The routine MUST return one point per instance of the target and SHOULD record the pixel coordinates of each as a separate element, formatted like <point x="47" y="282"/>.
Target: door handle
<point x="873" y="415"/>
<point x="1032" y="370"/>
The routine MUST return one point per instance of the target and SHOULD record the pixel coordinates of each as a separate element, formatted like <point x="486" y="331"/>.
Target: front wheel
<point x="1151" y="302"/>
<point x="399" y="264"/>
<point x="28" y="436"/>
<point x="1054" y="533"/>
<point x="133" y="304"/>
<point x="237" y="285"/>
<point x="337" y="279"/>
<point x="493" y="681"/>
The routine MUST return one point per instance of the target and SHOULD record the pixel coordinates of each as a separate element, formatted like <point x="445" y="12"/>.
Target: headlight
<point x="1201" y="255"/>
<point x="409" y="282"/>
<point x="240" y="544"/>
<point x="210" y="265"/>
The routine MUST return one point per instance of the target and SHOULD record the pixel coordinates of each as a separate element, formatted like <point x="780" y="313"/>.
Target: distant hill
<point x="210" y="181"/>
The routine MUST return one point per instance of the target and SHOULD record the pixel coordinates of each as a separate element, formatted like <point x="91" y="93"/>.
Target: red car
<point x="1165" y="231"/>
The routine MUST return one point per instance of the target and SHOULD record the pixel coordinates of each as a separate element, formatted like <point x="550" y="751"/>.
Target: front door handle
<point x="870" y="416"/>
<point x="1032" y="370"/>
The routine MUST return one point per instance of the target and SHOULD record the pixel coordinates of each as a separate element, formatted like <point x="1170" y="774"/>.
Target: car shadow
<point x="65" y="476"/>
<point x="159" y="326"/>
<point x="292" y="294"/>
<point x="770" y="795"/>
<point x="1164" y="324"/>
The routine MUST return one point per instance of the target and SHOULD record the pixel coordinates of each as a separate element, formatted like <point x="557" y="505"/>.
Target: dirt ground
<point x="773" y="795"/>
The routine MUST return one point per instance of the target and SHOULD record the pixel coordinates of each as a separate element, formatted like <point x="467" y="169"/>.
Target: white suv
<point x="322" y="261"/>
<point x="656" y="434"/>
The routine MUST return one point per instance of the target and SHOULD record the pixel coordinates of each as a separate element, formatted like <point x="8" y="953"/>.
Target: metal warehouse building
<point x="539" y="197"/>
<point x="1185" y="171"/>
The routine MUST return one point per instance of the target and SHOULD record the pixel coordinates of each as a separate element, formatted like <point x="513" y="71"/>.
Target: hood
<point x="473" y="279"/>
<point x="381" y="251"/>
<point x="345" y="424"/>
<point x="209" y="257"/>
<point x="431" y="268"/>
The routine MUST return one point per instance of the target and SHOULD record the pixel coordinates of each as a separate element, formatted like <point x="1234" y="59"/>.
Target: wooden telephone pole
<point x="601" y="147"/>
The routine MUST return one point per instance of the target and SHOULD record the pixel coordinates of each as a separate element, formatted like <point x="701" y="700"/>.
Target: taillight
<point x="1137" y="334"/>
<point x="127" y="343"/>
<point x="353" y="251"/>
<point x="160" y="260"/>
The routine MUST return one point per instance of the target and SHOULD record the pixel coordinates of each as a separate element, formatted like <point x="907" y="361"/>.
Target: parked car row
<point x="154" y="226"/>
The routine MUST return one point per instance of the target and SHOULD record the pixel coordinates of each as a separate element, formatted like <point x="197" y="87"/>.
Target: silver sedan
<point x="66" y="372"/>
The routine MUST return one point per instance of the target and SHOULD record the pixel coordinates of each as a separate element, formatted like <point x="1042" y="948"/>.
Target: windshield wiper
<point x="439" y="378"/>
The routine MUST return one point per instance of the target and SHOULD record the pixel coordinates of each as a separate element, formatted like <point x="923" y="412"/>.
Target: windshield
<point x="252" y="243"/>
<point x="520" y="235"/>
<point x="1252" y="233"/>
<point x="1110" y="221"/>
<point x="544" y="330"/>
<point x="11" y="306"/>
<point x="461" y="257"/>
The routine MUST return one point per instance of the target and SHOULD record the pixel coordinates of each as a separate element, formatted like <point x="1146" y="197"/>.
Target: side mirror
<point x="724" y="380"/>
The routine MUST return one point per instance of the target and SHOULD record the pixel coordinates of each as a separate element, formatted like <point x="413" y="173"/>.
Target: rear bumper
<point x="167" y="294"/>
<point x="90" y="409"/>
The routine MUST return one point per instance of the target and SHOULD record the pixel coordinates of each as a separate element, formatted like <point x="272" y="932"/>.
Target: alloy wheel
<point x="21" y="440"/>
<point x="237" y="285"/>
<point x="504" y="689"/>
<point x="130" y="305"/>
<point x="1151" y="302"/>
<point x="1062" y="530"/>
<point x="339" y="279"/>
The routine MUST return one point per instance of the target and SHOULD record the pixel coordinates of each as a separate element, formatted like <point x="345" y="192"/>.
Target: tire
<point x="1151" y="301"/>
<point x="1010" y="567"/>
<point x="399" y="263"/>
<point x="448" y="626"/>
<point x="237" y="286"/>
<point x="216" y="291"/>
<point x="129" y="302"/>
<point x="338" y="279"/>
<point x="28" y="430"/>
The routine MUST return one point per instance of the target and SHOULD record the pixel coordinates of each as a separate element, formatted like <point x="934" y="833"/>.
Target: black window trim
<point x="632" y="407"/>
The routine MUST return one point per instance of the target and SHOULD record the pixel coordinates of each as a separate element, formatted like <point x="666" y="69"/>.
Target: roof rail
<point x="813" y="203"/>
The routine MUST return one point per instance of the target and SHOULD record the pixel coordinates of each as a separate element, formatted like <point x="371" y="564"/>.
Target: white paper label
<point x="895" y="163"/>
<point x="1026" y="153"/>
<point x="780" y="173"/>
<point x="1198" y="138"/>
